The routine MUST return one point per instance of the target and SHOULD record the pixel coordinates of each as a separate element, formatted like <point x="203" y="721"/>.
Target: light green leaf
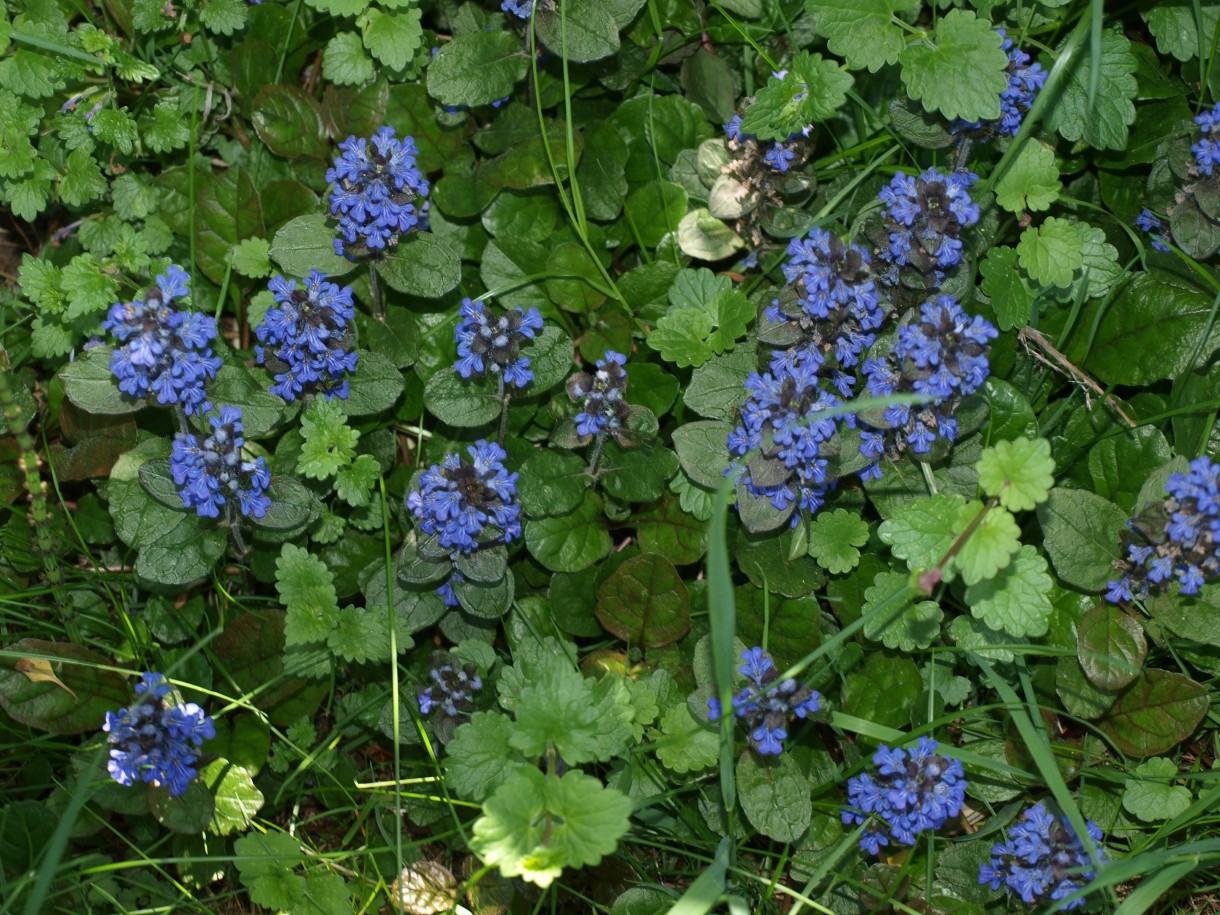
<point x="921" y="531"/>
<point x="1051" y="253"/>
<point x="861" y="31"/>
<point x="354" y="483"/>
<point x="1101" y="120"/>
<point x="223" y="16"/>
<point x="329" y="442"/>
<point x="392" y="38"/>
<point x="236" y="799"/>
<point x="307" y="589"/>
<point x="1032" y="182"/>
<point x="164" y="130"/>
<point x="834" y="538"/>
<point x="812" y="89"/>
<point x="557" y="710"/>
<point x="961" y="71"/>
<point x="89" y="286"/>
<point x="1021" y="472"/>
<point x="1012" y="296"/>
<point x="82" y="181"/>
<point x="252" y="258"/>
<point x="903" y="625"/>
<point x="480" y="758"/>
<point x="345" y="63"/>
<point x="1151" y="795"/>
<point x="1099" y="267"/>
<point x="1017" y="600"/>
<point x="686" y="744"/>
<point x="990" y="546"/>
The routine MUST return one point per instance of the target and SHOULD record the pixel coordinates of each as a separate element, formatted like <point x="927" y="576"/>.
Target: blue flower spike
<point x="1155" y="228"/>
<point x="926" y="216"/>
<point x="375" y="186"/>
<point x="1043" y="860"/>
<point x="155" y="741"/>
<point x="452" y="689"/>
<point x="215" y="474"/>
<point x="912" y="790"/>
<point x="490" y="343"/>
<point x="163" y="350"/>
<point x="1207" y="148"/>
<point x="602" y="396"/>
<point x="305" y="337"/>
<point x="765" y="706"/>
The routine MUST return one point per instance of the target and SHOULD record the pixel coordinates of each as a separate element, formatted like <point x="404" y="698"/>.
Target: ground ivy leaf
<point x="1099" y="267"/>
<point x="480" y="758"/>
<point x="345" y="62"/>
<point x="921" y="531"/>
<point x="354" y="483"/>
<point x="1012" y="296"/>
<point x="811" y="89"/>
<point x="1150" y="793"/>
<point x="236" y="799"/>
<point x="82" y="181"/>
<point x="1173" y="25"/>
<point x="1017" y="599"/>
<point x="1051" y="253"/>
<point x="533" y="826"/>
<point x="164" y="130"/>
<point x="861" y="31"/>
<point x="686" y="744"/>
<point x="1032" y="182"/>
<point x="990" y="546"/>
<point x="392" y="37"/>
<point x="265" y="861"/>
<point x="329" y="442"/>
<point x="252" y="257"/>
<point x="774" y="795"/>
<point x="1101" y="120"/>
<point x="834" y="538"/>
<point x="1020" y="472"/>
<point x="961" y="72"/>
<point x="361" y="636"/>
<point x="307" y="590"/>
<point x="557" y="710"/>
<point x="916" y="625"/>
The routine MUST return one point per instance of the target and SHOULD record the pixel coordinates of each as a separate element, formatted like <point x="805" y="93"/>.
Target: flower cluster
<point x="830" y="303"/>
<point x="164" y="351"/>
<point x="308" y="344"/>
<point x="215" y="474"/>
<point x="602" y="396"/>
<point x="942" y="355"/>
<point x="1207" y="149"/>
<point x="1178" y="538"/>
<point x="925" y="216"/>
<point x="489" y="343"/>
<point x="375" y="192"/>
<point x="1043" y="860"/>
<point x="155" y="742"/>
<point x="1155" y="227"/>
<point x="765" y="706"/>
<point x="452" y="691"/>
<point x="791" y="469"/>
<point x="911" y="791"/>
<point x="780" y="156"/>
<point x="458" y="500"/>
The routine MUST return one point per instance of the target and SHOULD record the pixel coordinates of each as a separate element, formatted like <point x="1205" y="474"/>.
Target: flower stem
<point x="505" y="397"/>
<point x="375" y="292"/>
<point x="234" y="522"/>
<point x="595" y="457"/>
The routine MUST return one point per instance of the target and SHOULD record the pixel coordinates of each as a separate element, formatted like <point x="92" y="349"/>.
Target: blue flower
<point x="925" y="218"/>
<point x="602" y="396"/>
<point x="732" y="129"/>
<point x="911" y="791"/>
<point x="1178" y="538"/>
<point x="468" y="504"/>
<point x="780" y="157"/>
<point x="776" y="420"/>
<point x="1043" y="859"/>
<point x="942" y="355"/>
<point x="1148" y="222"/>
<point x="765" y="706"/>
<point x="155" y="742"/>
<point x="1025" y="79"/>
<point x="489" y="343"/>
<point x="215" y="474"/>
<point x="1207" y="150"/>
<point x="307" y="331"/>
<point x="519" y="8"/>
<point x="164" y="351"/>
<point x="374" y="193"/>
<point x="452" y="691"/>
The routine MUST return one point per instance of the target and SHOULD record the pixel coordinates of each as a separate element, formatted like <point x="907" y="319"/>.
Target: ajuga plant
<point x="618" y="456"/>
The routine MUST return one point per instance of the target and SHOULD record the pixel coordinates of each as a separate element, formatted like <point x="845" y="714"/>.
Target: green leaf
<point x="361" y="636"/>
<point x="462" y="402"/>
<point x="329" y="442"/>
<point x="716" y="387"/>
<point x="921" y="531"/>
<point x="90" y="288"/>
<point x="574" y="281"/>
<point x="1051" y="253"/>
<point x="1081" y="532"/>
<point x="533" y="826"/>
<point x="883" y="690"/>
<point x="1123" y="352"/>
<point x="583" y="31"/>
<point x="376" y="385"/>
<point x="702" y="451"/>
<point x="704" y="237"/>
<point x="645" y="602"/>
<point x="265" y="861"/>
<point x="261" y="410"/>
<point x="861" y="31"/>
<point x="1150" y="793"/>
<point x="961" y="72"/>
<point x="1101" y="120"/>
<point x="1099" y="269"/>
<point x="1011" y="293"/>
<point x="550" y="356"/>
<point x="116" y="127"/>
<point x="344" y="62"/>
<point x="990" y="546"/>
<point x="774" y="795"/>
<point x="306" y="588"/>
<point x="811" y="89"/>
<point x="82" y="180"/>
<point x="1157" y="712"/>
<point x="557" y="710"/>
<point x="251" y="650"/>
<point x="1017" y="600"/>
<point x="422" y="265"/>
<point x="354" y="483"/>
<point x="1111" y="647"/>
<point x="551" y="483"/>
<point x="705" y="318"/>
<point x="1020" y="471"/>
<point x="571" y="542"/>
<point x="308" y="243"/>
<point x="834" y="538"/>
<point x="670" y="530"/>
<point x="1173" y="24"/>
<point x="223" y="16"/>
<point x="900" y="624"/>
<point x="1032" y="182"/>
<point x="289" y="121"/>
<point x="18" y="122"/>
<point x="687" y="744"/>
<point x="252" y="258"/>
<point x="74" y="705"/>
<point x="227" y="209"/>
<point x="479" y="758"/>
<point x="188" y="814"/>
<point x="235" y="797"/>
<point x="164" y="129"/>
<point x="477" y="68"/>
<point x="42" y="283"/>
<point x="28" y="197"/>
<point x="392" y="38"/>
<point x="654" y="210"/>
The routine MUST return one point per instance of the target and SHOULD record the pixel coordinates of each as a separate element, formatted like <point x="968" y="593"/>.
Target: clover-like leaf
<point x="990" y="545"/>
<point x="1020" y="472"/>
<point x="921" y="531"/>
<point x="1151" y="795"/>
<point x="1051" y="253"/>
<point x="901" y="624"/>
<point x="1017" y="599"/>
<point x="834" y="538"/>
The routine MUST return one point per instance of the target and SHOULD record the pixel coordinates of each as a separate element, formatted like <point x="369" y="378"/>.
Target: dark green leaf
<point x="227" y="209"/>
<point x="462" y="401"/>
<point x="1158" y="711"/>
<point x="375" y="386"/>
<point x="571" y="542"/>
<point x="1111" y="647"/>
<point x="775" y="795"/>
<point x="486" y="600"/>
<point x="1081" y="531"/>
<point x="702" y="451"/>
<point x="251" y="650"/>
<point x="422" y="265"/>
<point x="582" y="31"/>
<point x="551" y="483"/>
<point x="290" y="122"/>
<point x="477" y="68"/>
<point x="76" y="704"/>
<point x="645" y="602"/>
<point x="91" y="385"/>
